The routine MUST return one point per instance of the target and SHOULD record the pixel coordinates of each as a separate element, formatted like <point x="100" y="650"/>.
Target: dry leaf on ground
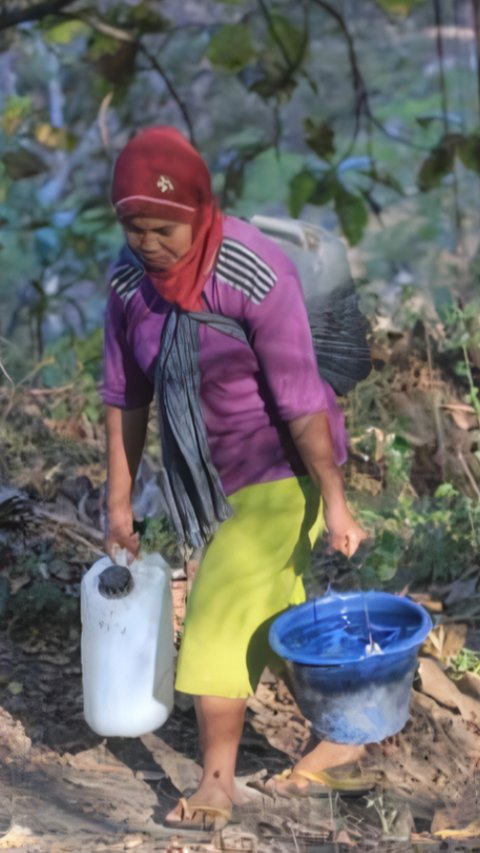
<point x="441" y="688"/>
<point x="445" y="641"/>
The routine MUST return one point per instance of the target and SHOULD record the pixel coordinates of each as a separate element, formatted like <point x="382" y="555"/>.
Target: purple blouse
<point x="248" y="393"/>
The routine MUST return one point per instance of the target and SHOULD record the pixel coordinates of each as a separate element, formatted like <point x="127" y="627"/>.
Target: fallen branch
<point x="69" y="523"/>
<point x="458" y="407"/>
<point x="468" y="473"/>
<point x="47" y="392"/>
<point x="6" y="374"/>
<point x="70" y="534"/>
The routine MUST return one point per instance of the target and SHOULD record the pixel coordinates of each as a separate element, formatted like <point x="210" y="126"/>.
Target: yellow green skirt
<point x="251" y="572"/>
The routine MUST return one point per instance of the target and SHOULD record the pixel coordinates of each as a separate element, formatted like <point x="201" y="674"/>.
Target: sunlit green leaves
<point x="15" y="111"/>
<point x="399" y="7"/>
<point x="231" y="47"/>
<point x="381" y="563"/>
<point x="54" y="137"/>
<point x="66" y="31"/>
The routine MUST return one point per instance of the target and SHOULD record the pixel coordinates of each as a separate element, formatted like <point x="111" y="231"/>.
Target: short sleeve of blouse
<point x="124" y="383"/>
<point x="280" y="335"/>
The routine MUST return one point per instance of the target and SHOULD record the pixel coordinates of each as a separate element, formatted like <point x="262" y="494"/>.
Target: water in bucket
<point x="345" y="634"/>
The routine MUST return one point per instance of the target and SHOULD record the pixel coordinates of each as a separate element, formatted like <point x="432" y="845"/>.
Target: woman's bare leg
<point x="220" y="724"/>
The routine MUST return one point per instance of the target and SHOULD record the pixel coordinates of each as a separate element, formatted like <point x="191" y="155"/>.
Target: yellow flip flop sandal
<point x="199" y="817"/>
<point x="346" y="779"/>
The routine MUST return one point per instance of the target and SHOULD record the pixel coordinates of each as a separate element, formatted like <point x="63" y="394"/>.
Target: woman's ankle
<point x="217" y="784"/>
<point x="326" y="755"/>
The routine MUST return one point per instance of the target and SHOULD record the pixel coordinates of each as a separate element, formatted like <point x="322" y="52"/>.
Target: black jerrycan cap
<point x="115" y="581"/>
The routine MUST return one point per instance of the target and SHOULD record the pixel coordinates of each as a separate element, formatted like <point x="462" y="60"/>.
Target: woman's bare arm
<point x="311" y="435"/>
<point x="126" y="430"/>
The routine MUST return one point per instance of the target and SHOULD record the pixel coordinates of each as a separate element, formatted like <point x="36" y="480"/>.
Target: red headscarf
<point x="159" y="174"/>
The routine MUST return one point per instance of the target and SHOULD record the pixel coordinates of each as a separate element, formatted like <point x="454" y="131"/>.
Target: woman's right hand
<point x="120" y="534"/>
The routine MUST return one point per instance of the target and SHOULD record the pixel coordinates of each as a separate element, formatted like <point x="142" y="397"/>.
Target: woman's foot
<point x="210" y="808"/>
<point x="310" y="774"/>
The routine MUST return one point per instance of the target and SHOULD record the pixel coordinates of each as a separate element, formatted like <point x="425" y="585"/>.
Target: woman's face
<point x="159" y="242"/>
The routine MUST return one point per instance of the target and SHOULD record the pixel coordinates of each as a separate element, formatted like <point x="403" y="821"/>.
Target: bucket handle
<point x="355" y="563"/>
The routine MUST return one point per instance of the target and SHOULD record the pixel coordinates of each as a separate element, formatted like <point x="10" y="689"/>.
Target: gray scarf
<point x="194" y="498"/>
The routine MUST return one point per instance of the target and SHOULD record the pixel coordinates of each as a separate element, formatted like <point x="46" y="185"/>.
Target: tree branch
<point x="124" y="36"/>
<point x="176" y="97"/>
<point x="291" y="65"/>
<point x="362" y="100"/>
<point x="32" y="13"/>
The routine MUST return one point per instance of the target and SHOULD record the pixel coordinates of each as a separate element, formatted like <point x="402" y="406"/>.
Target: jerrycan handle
<point x="115" y="581"/>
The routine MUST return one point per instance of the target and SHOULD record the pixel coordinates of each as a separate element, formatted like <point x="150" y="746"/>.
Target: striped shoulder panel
<point x="125" y="280"/>
<point x="244" y="270"/>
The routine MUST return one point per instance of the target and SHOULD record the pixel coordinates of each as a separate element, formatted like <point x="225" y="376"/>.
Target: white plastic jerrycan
<point x="127" y="646"/>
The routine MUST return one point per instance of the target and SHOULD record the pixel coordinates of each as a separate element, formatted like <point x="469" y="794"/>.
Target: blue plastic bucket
<point x="349" y="693"/>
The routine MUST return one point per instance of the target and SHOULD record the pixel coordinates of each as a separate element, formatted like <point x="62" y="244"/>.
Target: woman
<point x="208" y="312"/>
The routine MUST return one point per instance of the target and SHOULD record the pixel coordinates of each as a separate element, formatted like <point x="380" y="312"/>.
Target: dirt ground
<point x="63" y="789"/>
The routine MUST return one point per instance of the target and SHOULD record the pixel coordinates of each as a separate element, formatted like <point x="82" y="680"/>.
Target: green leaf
<point x="267" y="80"/>
<point x="90" y="221"/>
<point x="469" y="152"/>
<point x="23" y="164"/>
<point x="231" y="47"/>
<point x="352" y="213"/>
<point x="114" y="60"/>
<point x="445" y="490"/>
<point x="326" y="188"/>
<point x="292" y="39"/>
<point x="66" y="32"/>
<point x="387" y="569"/>
<point x="267" y="180"/>
<point x="320" y="138"/>
<point x="54" y="137"/>
<point x="101" y="45"/>
<point x="16" y="109"/>
<point x="381" y="176"/>
<point x="400" y="444"/>
<point x="399" y="7"/>
<point x="387" y="543"/>
<point x="145" y="20"/>
<point x="302" y="188"/>
<point x="438" y="164"/>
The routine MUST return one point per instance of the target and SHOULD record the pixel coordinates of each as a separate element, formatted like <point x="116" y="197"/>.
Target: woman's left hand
<point x="345" y="533"/>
